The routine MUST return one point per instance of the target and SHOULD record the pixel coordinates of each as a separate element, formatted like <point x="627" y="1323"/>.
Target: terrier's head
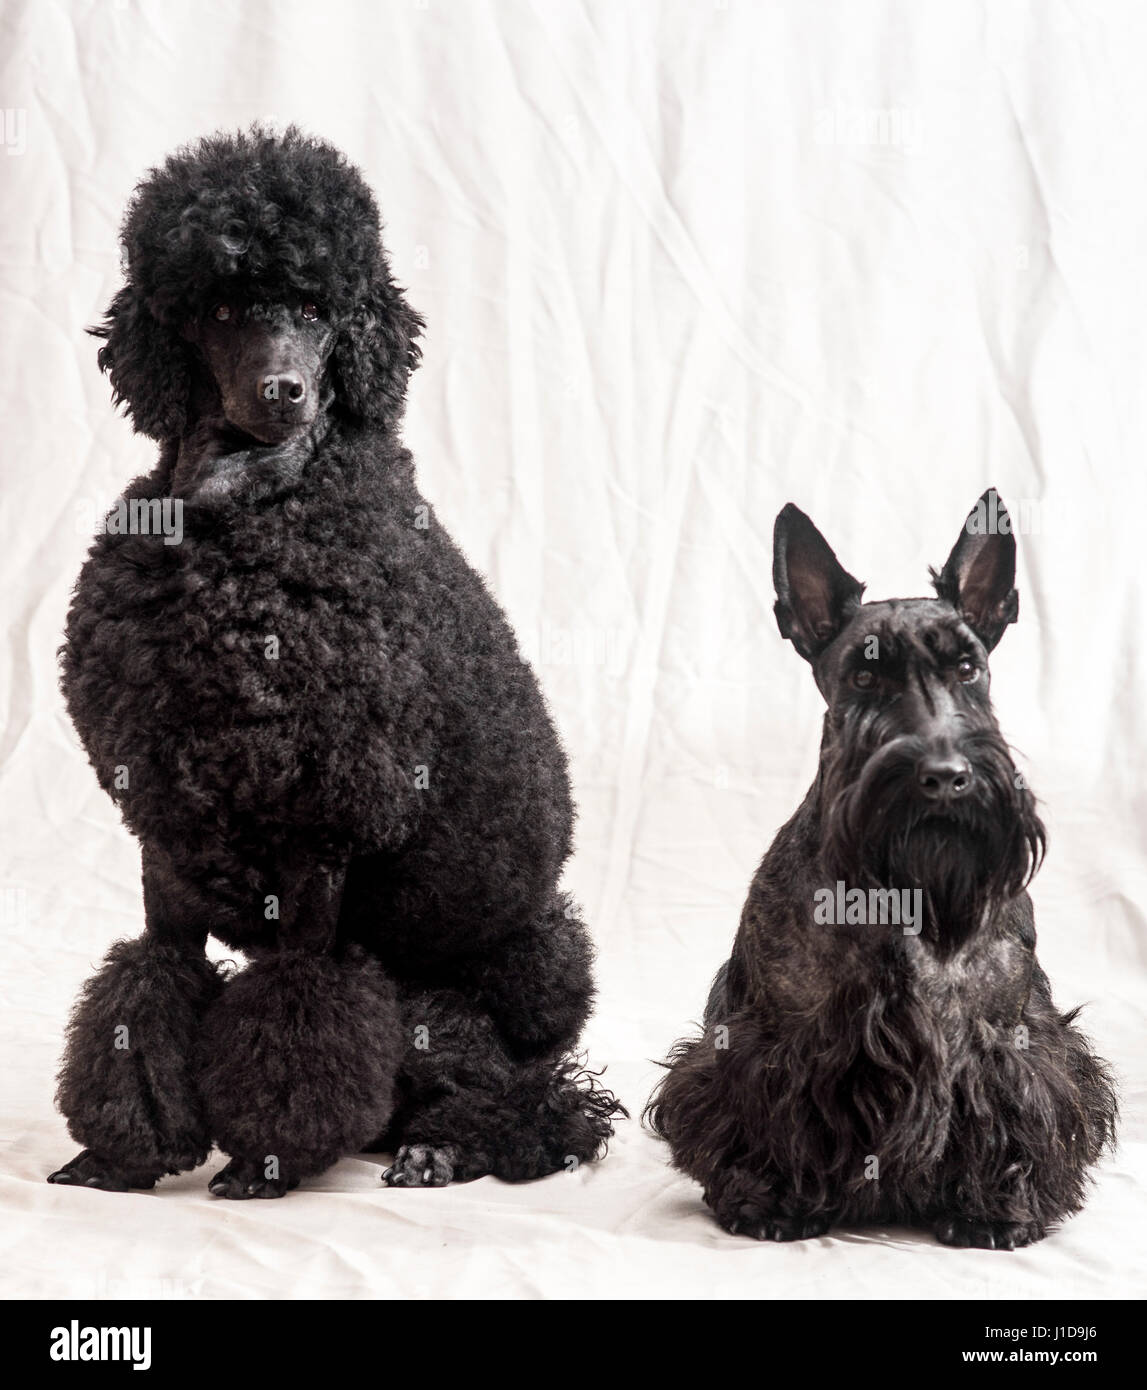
<point x="917" y="788"/>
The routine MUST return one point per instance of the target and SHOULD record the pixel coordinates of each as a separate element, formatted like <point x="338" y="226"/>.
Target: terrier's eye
<point x="310" y="311"/>
<point x="966" y="669"/>
<point x="222" y="312"/>
<point x="864" y="680"/>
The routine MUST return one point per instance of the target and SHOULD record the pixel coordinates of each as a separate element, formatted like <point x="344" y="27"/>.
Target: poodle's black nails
<point x="242" y="1179"/>
<point x="88" y="1169"/>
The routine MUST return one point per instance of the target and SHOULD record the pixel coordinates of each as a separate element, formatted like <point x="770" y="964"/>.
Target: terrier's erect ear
<point x="815" y="595"/>
<point x="979" y="576"/>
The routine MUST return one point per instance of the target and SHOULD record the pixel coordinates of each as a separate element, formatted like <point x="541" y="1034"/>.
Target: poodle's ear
<point x="147" y="364"/>
<point x="376" y="351"/>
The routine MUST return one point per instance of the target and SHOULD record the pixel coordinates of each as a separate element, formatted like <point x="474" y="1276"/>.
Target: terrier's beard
<point x="968" y="857"/>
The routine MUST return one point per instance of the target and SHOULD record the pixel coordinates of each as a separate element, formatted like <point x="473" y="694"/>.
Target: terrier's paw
<point x="243" y="1178"/>
<point x="749" y="1220"/>
<point x="422" y="1165"/>
<point x="966" y="1233"/>
<point x="745" y="1204"/>
<point x="88" y="1169"/>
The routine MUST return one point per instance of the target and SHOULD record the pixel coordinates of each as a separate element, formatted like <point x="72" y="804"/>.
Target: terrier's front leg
<point x="967" y="1232"/>
<point x="748" y="1205"/>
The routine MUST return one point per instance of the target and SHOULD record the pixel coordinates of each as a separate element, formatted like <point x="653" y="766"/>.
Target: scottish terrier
<point x="882" y="1046"/>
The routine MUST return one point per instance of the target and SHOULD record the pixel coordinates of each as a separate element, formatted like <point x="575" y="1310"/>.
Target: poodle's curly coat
<point x="316" y="720"/>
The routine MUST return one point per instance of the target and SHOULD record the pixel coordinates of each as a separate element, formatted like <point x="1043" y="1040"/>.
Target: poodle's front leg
<point x="126" y="1086"/>
<point x="299" y="1055"/>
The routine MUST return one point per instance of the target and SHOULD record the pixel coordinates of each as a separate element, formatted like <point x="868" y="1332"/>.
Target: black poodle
<point x="316" y="720"/>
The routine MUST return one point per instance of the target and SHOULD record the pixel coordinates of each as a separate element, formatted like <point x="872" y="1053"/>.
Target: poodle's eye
<point x="310" y="311"/>
<point x="966" y="670"/>
<point x="222" y="312"/>
<point x="864" y="680"/>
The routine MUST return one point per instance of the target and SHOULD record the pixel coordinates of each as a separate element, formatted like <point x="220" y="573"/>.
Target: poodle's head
<point x="257" y="286"/>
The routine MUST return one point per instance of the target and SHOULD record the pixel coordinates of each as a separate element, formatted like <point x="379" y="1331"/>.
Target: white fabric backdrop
<point x="681" y="263"/>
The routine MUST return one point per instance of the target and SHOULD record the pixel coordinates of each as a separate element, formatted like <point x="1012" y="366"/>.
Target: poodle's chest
<point x="252" y="647"/>
<point x="242" y="697"/>
<point x="208" y="644"/>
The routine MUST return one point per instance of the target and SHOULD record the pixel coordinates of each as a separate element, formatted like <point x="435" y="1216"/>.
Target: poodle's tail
<point x="562" y="1117"/>
<point x="543" y="1117"/>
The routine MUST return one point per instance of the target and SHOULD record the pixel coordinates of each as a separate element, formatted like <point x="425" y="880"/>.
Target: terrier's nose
<point x="940" y="778"/>
<point x="288" y="388"/>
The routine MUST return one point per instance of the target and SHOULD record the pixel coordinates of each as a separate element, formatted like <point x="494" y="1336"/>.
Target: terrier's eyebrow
<point x="942" y="640"/>
<point x="861" y="648"/>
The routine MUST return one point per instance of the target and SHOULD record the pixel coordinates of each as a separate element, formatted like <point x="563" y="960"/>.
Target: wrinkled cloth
<point x="680" y="263"/>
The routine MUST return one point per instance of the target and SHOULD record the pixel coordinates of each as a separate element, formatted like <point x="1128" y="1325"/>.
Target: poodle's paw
<point x="88" y="1169"/>
<point x="966" y="1232"/>
<point x="243" y="1178"/>
<point x="422" y="1165"/>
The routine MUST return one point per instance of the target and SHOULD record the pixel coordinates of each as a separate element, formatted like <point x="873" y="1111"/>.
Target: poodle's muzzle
<point x="267" y="363"/>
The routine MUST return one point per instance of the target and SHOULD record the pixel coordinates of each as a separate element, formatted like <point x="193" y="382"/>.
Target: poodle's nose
<point x="288" y="388"/>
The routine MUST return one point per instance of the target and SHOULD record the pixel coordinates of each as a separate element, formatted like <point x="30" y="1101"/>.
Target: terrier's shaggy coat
<point x="857" y="1072"/>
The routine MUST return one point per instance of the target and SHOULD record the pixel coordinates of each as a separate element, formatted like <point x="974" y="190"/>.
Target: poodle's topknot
<point x="282" y="217"/>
